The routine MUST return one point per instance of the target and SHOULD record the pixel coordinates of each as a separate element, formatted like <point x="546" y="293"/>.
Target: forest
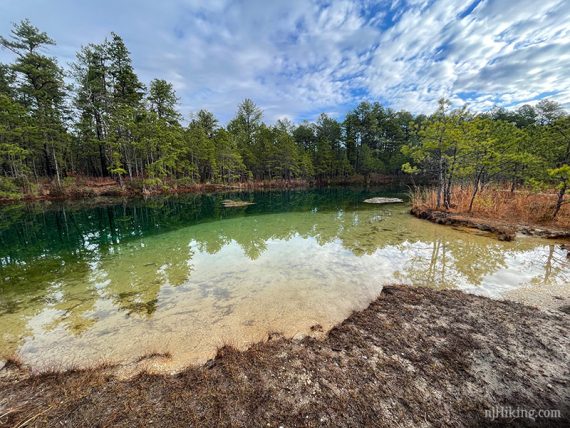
<point x="99" y="120"/>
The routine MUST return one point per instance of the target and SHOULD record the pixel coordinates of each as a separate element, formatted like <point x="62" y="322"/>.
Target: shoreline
<point x="502" y="230"/>
<point x="413" y="356"/>
<point x="85" y="188"/>
<point x="112" y="189"/>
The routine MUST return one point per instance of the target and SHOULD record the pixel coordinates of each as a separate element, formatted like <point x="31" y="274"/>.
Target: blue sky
<point x="297" y="58"/>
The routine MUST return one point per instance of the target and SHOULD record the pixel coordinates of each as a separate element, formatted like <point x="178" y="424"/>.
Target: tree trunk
<point x="441" y="183"/>
<point x="102" y="160"/>
<point x="514" y="182"/>
<point x="34" y="169"/>
<point x="445" y="192"/>
<point x="560" y="200"/>
<point x="473" y="198"/>
<point x="49" y="171"/>
<point x="99" y="132"/>
<point x="475" y="190"/>
<point x="451" y="169"/>
<point x="56" y="167"/>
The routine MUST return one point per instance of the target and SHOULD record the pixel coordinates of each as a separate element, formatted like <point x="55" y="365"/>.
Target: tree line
<point x="528" y="146"/>
<point x="107" y="123"/>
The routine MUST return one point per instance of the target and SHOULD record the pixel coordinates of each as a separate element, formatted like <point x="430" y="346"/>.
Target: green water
<point x="81" y="283"/>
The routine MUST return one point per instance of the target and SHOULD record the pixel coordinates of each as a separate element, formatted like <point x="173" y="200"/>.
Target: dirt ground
<point x="415" y="357"/>
<point x="504" y="230"/>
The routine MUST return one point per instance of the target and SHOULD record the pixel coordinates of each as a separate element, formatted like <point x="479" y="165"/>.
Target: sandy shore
<point x="555" y="297"/>
<point x="414" y="357"/>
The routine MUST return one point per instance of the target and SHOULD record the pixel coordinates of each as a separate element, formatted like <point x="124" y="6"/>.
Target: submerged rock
<point x="228" y="203"/>
<point x="380" y="200"/>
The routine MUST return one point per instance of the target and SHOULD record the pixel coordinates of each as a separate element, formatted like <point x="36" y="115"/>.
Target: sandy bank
<point x="414" y="357"/>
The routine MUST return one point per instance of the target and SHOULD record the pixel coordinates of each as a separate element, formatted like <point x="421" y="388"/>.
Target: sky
<point x="299" y="58"/>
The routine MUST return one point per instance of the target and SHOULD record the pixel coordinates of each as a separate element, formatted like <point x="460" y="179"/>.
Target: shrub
<point x="9" y="189"/>
<point x="152" y="182"/>
<point x="185" y="182"/>
<point x="135" y="184"/>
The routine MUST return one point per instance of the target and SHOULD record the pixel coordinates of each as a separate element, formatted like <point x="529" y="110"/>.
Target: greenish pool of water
<point x="90" y="282"/>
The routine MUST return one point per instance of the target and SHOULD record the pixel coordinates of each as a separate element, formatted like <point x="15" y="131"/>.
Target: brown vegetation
<point x="521" y="207"/>
<point x="81" y="187"/>
<point x="89" y="187"/>
<point x="414" y="357"/>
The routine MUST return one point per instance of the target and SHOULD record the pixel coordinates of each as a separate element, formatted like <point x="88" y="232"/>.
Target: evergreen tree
<point x="7" y="80"/>
<point x="246" y="127"/>
<point x="42" y="91"/>
<point x="120" y="128"/>
<point x="126" y="87"/>
<point x="93" y="100"/>
<point x="228" y="159"/>
<point x="162" y="101"/>
<point x="207" y="121"/>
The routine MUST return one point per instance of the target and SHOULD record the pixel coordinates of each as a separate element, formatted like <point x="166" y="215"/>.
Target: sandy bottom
<point x="234" y="282"/>
<point x="414" y="357"/>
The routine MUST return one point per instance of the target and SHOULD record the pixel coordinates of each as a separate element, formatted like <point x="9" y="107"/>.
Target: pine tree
<point x="162" y="100"/>
<point x="41" y="90"/>
<point x="126" y="87"/>
<point x="125" y="109"/>
<point x="93" y="99"/>
<point x="246" y="127"/>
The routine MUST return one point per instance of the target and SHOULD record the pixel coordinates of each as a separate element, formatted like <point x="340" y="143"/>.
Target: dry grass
<point x="153" y="355"/>
<point x="80" y="187"/>
<point x="499" y="203"/>
<point x="414" y="357"/>
<point x="12" y="362"/>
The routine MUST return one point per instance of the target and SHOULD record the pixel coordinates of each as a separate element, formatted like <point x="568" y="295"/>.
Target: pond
<point x="111" y="281"/>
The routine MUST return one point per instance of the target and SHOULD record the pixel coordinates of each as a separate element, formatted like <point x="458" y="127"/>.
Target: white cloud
<point x="296" y="58"/>
<point x="506" y="51"/>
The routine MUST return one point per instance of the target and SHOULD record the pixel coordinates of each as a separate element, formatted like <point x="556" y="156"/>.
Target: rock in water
<point x="232" y="204"/>
<point x="383" y="200"/>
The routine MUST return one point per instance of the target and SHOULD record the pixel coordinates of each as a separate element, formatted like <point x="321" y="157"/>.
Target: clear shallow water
<point x="183" y="275"/>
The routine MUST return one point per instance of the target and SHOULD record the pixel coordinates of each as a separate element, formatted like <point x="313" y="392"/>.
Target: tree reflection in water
<point x="71" y="271"/>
